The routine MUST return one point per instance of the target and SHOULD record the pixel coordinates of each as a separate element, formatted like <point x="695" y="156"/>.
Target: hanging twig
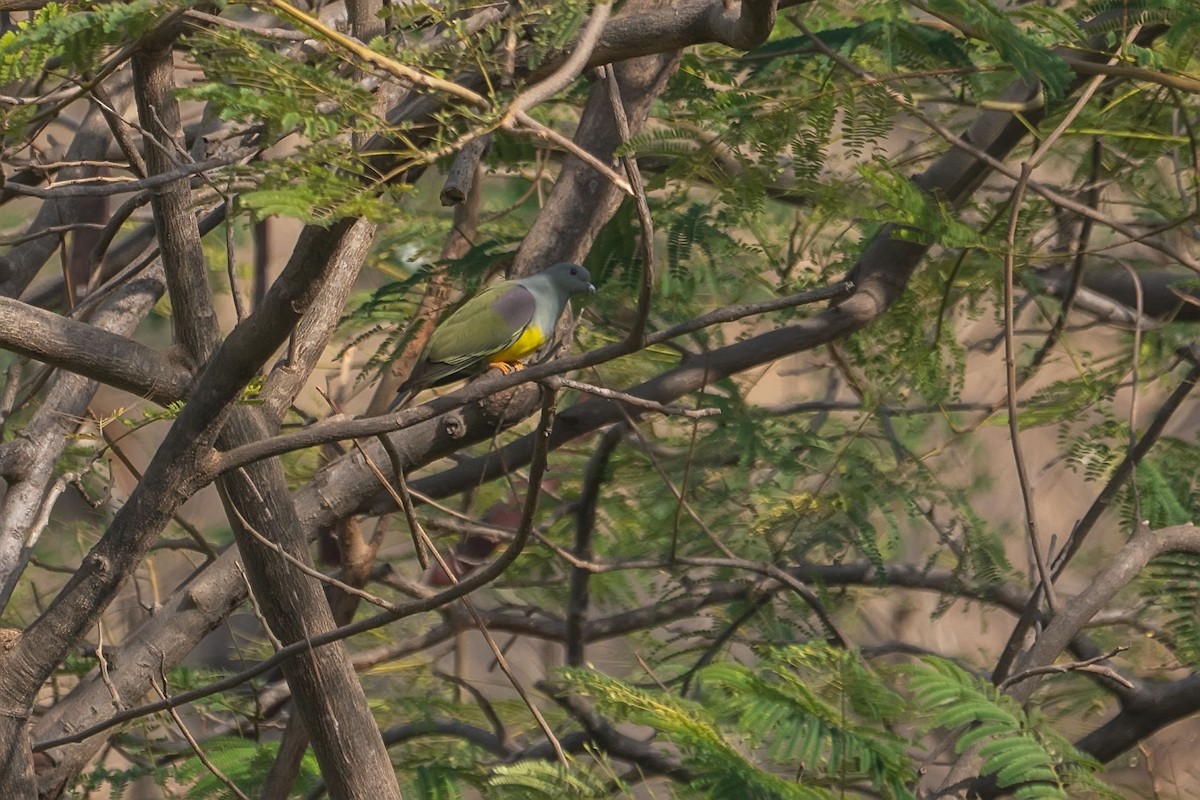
<point x="637" y="331"/>
<point x="1010" y="366"/>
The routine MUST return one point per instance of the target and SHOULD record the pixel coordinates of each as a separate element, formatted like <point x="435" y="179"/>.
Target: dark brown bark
<point x="327" y="694"/>
<point x="31" y="458"/>
<point x="19" y="265"/>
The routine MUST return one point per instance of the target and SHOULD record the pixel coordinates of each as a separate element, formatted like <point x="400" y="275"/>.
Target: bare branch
<point x="1116" y="575"/>
<point x="557" y="381"/>
<point x="1086" y="665"/>
<point x="92" y="352"/>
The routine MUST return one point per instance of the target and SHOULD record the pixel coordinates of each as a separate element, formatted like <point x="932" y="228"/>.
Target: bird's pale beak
<point x="592" y="288"/>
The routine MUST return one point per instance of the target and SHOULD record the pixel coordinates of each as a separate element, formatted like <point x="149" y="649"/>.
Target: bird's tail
<point x="403" y="395"/>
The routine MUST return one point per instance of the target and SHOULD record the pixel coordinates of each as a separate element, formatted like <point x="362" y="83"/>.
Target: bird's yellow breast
<point x="530" y="340"/>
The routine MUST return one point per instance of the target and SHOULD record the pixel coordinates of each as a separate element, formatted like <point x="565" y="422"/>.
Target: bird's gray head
<point x="569" y="278"/>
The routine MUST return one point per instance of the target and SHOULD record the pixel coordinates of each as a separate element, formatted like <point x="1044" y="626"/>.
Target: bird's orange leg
<point x="507" y="367"/>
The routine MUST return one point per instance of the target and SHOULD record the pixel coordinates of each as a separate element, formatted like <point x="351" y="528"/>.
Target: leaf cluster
<point x="73" y="37"/>
<point x="814" y="722"/>
<point x="1024" y="758"/>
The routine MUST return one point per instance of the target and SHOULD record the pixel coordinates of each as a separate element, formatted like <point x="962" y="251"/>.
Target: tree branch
<point x="193" y="316"/>
<point x="92" y="352"/>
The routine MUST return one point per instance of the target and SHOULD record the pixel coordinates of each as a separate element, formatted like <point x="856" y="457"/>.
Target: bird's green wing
<point x="486" y="324"/>
<point x="493" y="324"/>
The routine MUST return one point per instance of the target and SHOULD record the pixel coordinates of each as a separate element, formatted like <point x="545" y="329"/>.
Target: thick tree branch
<point x="476" y="579"/>
<point x="1155" y="706"/>
<point x="90" y="351"/>
<point x="740" y="24"/>
<point x="329" y="697"/>
<point x="1120" y="569"/>
<point x="200" y="606"/>
<point x="582" y="201"/>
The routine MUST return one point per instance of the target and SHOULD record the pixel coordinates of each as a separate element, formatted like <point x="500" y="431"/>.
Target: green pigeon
<point x="504" y="323"/>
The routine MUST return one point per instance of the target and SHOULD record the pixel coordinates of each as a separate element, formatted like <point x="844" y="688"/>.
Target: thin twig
<point x="1010" y="367"/>
<point x="570" y="69"/>
<point x="118" y="703"/>
<point x="717" y="644"/>
<point x="104" y="187"/>
<point x="537" y="472"/>
<point x="1087" y="665"/>
<point x="191" y="740"/>
<point x="637" y="332"/>
<point x="532" y="126"/>
<point x="669" y="409"/>
<point x="1071" y="293"/>
<point x="1134" y="394"/>
<point x="404" y="499"/>
<point x="579" y="594"/>
<point x="676" y="493"/>
<point x="276" y="645"/>
<point x="998" y="166"/>
<point x="239" y="306"/>
<point x="376" y="59"/>
<point x="50" y="230"/>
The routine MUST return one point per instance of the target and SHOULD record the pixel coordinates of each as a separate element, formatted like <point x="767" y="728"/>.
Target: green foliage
<point x="251" y="83"/>
<point x="112" y="781"/>
<point x="1026" y="52"/>
<point x="819" y="708"/>
<point x="541" y="780"/>
<point x="1068" y="399"/>
<point x="828" y="713"/>
<point x="554" y="27"/>
<point x="1158" y="498"/>
<point x="24" y="50"/>
<point x="1116" y="17"/>
<point x="1166" y="490"/>
<point x="1012" y="744"/>
<point x="719" y="767"/>
<point x="690" y="230"/>
<point x="1172" y="581"/>
<point x="434" y="782"/>
<point x="243" y="762"/>
<point x="77" y="34"/>
<point x="917" y="217"/>
<point x="897" y="42"/>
